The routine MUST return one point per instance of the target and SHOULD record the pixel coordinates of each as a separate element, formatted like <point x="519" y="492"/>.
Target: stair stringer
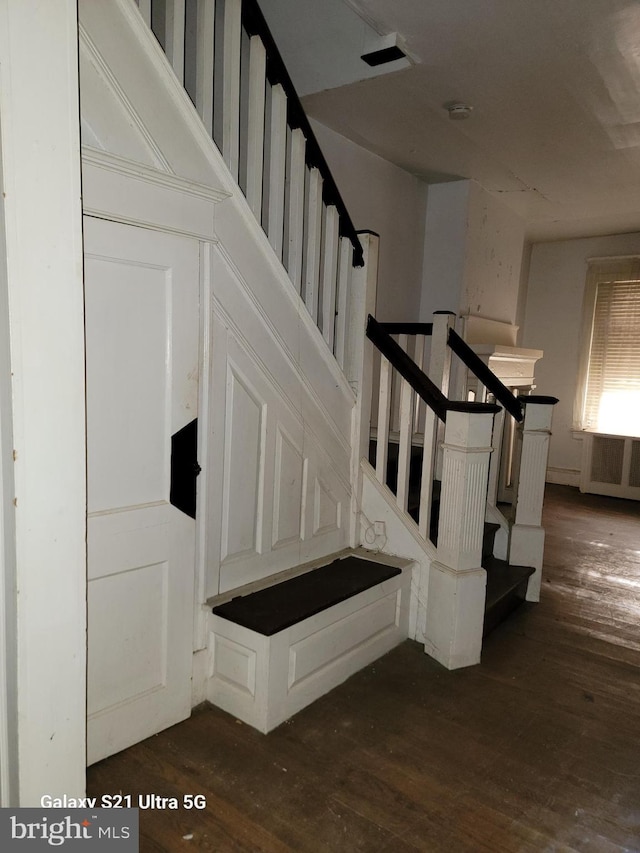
<point x="277" y="411"/>
<point x="401" y="538"/>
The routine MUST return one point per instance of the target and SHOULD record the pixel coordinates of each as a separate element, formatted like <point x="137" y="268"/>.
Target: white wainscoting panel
<point x="278" y="467"/>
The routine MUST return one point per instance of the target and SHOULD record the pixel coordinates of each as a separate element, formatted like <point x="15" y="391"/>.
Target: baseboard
<point x="564" y="476"/>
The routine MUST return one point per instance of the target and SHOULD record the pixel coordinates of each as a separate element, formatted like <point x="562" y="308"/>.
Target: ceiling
<point x="554" y="86"/>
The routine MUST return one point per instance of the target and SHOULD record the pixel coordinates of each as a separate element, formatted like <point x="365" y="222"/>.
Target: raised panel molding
<point x="327" y="509"/>
<point x="288" y="491"/>
<point x="243" y="468"/>
<point x="135" y="620"/>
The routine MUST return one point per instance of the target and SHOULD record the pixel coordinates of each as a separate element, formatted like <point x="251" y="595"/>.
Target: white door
<point x="142" y="292"/>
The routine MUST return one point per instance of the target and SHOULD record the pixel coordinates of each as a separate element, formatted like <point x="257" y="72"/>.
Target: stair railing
<point x="224" y="54"/>
<point x="398" y="369"/>
<point x="457" y="581"/>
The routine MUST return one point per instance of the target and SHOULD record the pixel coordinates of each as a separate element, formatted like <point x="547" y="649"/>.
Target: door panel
<point x="142" y="386"/>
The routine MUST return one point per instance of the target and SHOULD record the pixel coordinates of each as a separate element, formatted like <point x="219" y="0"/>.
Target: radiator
<point x="611" y="465"/>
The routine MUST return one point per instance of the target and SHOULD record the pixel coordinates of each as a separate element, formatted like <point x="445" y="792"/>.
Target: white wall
<point x="444" y="248"/>
<point x="381" y="197"/>
<point x="553" y="323"/>
<point x="472" y="253"/>
<point x="495" y="239"/>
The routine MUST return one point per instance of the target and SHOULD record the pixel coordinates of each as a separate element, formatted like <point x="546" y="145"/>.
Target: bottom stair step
<point x="506" y="590"/>
<point x="275" y="651"/>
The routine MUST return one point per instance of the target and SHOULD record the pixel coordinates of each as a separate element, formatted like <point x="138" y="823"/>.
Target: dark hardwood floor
<point x="536" y="749"/>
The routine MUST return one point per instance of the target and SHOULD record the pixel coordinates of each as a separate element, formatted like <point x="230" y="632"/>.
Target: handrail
<point x="407" y="328"/>
<point x="255" y="24"/>
<point x="485" y="375"/>
<point x="416" y="378"/>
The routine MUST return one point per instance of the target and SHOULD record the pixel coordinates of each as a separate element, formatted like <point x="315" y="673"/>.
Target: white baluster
<point x="255" y="124"/>
<point x="231" y="84"/>
<point x="204" y="62"/>
<point x="428" y="467"/>
<point x="405" y="427"/>
<point x="294" y="224"/>
<point x="384" y="412"/>
<point x="174" y="39"/>
<point x="145" y="11"/>
<point x="329" y="272"/>
<point x="313" y="237"/>
<point x="345" y="266"/>
<point x="277" y="162"/>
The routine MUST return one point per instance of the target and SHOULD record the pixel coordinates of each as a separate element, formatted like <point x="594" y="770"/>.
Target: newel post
<point x="527" y="534"/>
<point x="457" y="582"/>
<point x="358" y="365"/>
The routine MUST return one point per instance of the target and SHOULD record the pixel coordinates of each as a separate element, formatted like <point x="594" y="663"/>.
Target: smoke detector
<point x="458" y="111"/>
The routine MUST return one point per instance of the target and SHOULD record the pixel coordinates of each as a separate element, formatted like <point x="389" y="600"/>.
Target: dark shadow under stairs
<point x="506" y="584"/>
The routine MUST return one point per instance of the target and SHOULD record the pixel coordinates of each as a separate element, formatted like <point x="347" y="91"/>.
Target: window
<point x="609" y="397"/>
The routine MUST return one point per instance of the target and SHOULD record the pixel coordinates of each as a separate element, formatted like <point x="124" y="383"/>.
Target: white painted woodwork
<point x="384" y="415"/>
<point x="174" y="35"/>
<point x="42" y="423"/>
<point x="454" y="615"/>
<point x="527" y="534"/>
<point x="418" y="357"/>
<point x="145" y="11"/>
<point x="497" y="456"/>
<point x="255" y="124"/>
<point x="142" y="327"/>
<point x="464" y="487"/>
<point x="455" y="605"/>
<point x="120" y="189"/>
<point x="429" y="451"/>
<point x="277" y="150"/>
<point x="280" y="430"/>
<point x="345" y="266"/>
<point x="329" y="272"/>
<point x="312" y="240"/>
<point x="265" y="680"/>
<point x="378" y="504"/>
<point x="205" y="62"/>
<point x="358" y="368"/>
<point x="294" y="224"/>
<point x="440" y="373"/>
<point x="231" y="84"/>
<point x="405" y="436"/>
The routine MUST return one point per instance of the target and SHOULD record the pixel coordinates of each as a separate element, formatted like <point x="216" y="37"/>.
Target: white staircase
<point x="192" y="129"/>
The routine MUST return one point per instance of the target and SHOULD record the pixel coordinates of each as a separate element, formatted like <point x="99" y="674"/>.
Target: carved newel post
<point x="527" y="534"/>
<point x="455" y="603"/>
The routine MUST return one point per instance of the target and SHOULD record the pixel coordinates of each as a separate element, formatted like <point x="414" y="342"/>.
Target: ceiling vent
<point x="386" y="49"/>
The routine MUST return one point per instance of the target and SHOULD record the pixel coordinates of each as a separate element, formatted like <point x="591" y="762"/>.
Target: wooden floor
<point x="536" y="749"/>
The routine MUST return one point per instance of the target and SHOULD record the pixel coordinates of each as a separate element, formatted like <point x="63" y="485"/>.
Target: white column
<point x="358" y="367"/>
<point x="43" y="514"/>
<point x="455" y="604"/>
<point x="527" y="534"/>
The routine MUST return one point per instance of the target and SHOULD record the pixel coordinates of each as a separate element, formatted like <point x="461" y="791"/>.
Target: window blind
<point x="612" y="394"/>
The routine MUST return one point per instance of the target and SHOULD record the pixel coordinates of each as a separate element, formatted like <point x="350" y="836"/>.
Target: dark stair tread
<point x="506" y="590"/>
<point x="277" y="607"/>
<point x="503" y="579"/>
